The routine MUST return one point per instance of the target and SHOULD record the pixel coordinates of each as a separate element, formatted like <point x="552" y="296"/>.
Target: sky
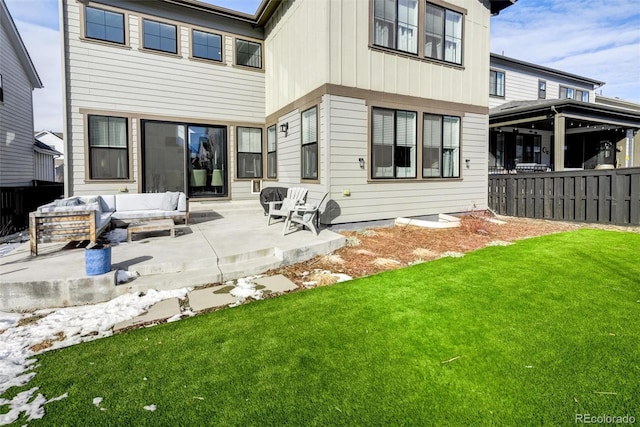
<point x="591" y="38"/>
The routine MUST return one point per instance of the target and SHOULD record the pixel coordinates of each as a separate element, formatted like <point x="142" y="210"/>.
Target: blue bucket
<point x="97" y="260"/>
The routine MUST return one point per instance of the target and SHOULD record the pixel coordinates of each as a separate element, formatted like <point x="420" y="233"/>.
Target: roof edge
<point x="549" y="70"/>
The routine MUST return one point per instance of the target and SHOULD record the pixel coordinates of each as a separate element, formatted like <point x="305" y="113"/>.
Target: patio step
<point x="151" y="268"/>
<point x="176" y="280"/>
<point x="247" y="256"/>
<point x="232" y="271"/>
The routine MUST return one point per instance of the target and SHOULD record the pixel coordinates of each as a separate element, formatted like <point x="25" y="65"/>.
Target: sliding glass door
<point x="183" y="157"/>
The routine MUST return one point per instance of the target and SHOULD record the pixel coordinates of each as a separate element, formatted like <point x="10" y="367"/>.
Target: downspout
<point x="66" y="127"/>
<point x="327" y="114"/>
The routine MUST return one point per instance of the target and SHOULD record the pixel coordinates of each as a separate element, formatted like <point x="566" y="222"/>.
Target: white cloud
<point x="591" y="38"/>
<point x="43" y="45"/>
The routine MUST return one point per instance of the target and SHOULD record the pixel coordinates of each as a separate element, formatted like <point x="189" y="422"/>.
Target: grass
<point x="529" y="334"/>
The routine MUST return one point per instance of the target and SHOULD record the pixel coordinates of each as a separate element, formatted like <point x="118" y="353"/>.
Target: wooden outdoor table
<point x="151" y="225"/>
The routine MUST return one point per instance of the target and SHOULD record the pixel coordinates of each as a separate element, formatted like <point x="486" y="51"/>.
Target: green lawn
<point x="529" y="334"/>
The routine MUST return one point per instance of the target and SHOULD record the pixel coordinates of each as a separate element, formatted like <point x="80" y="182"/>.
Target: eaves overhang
<point x="262" y="15"/>
<point x="498" y="5"/>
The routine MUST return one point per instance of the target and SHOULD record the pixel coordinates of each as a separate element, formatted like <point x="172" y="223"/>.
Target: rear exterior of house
<point x="381" y="104"/>
<point x="18" y="78"/>
<point x="546" y="119"/>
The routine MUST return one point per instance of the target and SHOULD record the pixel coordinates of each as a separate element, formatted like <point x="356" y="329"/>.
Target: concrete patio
<point x="223" y="241"/>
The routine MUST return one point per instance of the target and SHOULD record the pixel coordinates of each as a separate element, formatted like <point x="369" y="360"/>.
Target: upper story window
<point x="272" y="146"/>
<point x="249" y="152"/>
<point x="393" y="139"/>
<point x="207" y="45"/>
<point x="159" y="36"/>
<point x="108" y="148"/>
<point x="571" y="93"/>
<point x="104" y="25"/>
<point x="443" y="34"/>
<point x="496" y="83"/>
<point x="396" y="24"/>
<point x="310" y="143"/>
<point x="1" y="90"/>
<point x="542" y="89"/>
<point x="248" y="53"/>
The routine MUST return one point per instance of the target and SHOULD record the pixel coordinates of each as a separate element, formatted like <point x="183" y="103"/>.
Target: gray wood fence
<point x="594" y="196"/>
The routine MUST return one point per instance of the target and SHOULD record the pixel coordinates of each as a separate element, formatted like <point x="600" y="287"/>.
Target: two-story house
<point x="18" y="79"/>
<point x="546" y="119"/>
<point x="381" y="104"/>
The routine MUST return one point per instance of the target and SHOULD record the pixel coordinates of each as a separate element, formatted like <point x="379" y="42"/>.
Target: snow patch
<point x="150" y="407"/>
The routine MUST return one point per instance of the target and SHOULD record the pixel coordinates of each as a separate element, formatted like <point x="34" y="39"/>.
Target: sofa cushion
<point x="146" y="214"/>
<point x="170" y="201"/>
<point x="138" y="202"/>
<point x="72" y="201"/>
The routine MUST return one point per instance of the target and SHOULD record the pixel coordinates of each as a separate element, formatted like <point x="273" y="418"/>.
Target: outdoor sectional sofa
<point x="86" y="217"/>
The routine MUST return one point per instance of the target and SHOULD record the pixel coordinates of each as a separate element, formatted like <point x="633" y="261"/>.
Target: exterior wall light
<point x="284" y="128"/>
<point x="361" y="161"/>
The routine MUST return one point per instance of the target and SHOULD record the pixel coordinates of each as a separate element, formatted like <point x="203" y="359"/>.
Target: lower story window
<point x="393" y="143"/>
<point x="108" y="148"/>
<point x="249" y="152"/>
<point x="441" y="146"/>
<point x="272" y="159"/>
<point x="310" y="143"/>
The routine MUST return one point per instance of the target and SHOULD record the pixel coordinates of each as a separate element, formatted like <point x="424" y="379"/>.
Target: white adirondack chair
<point x="305" y="215"/>
<point x="283" y="208"/>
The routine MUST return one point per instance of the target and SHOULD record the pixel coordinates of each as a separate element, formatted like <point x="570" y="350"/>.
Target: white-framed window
<point x="393" y="143"/>
<point x="249" y="152"/>
<point x="248" y="53"/>
<point x="309" y="130"/>
<point x="206" y="45"/>
<point x="108" y="147"/>
<point x="443" y="34"/>
<point x="496" y="83"/>
<point x="159" y="36"/>
<point x="272" y="157"/>
<point x="104" y="25"/>
<point x="396" y="24"/>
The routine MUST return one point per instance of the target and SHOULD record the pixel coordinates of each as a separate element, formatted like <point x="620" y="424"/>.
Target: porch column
<point x="558" y="142"/>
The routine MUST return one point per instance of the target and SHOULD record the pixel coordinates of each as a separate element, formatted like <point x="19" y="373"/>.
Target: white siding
<point x="522" y="85"/>
<point x="44" y="167"/>
<point x="140" y="84"/>
<point x="16" y="118"/>
<point x="384" y="200"/>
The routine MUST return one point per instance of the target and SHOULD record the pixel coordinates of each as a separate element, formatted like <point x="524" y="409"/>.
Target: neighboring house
<point x="44" y="162"/>
<point x="55" y="141"/>
<point x="382" y="104"/>
<point x="18" y="78"/>
<point x="545" y="119"/>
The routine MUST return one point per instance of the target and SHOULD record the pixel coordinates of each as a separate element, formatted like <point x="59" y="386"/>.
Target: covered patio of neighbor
<point x="557" y="135"/>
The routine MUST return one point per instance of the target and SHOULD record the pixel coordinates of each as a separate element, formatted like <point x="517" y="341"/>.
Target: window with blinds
<point x="272" y="147"/>
<point x="496" y="83"/>
<point x="443" y="34"/>
<point x="108" y="147"/>
<point x="249" y="152"/>
<point x="393" y="143"/>
<point x="309" y="131"/>
<point x="396" y="24"/>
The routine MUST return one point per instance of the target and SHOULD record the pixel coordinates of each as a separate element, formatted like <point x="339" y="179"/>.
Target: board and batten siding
<point x="370" y="200"/>
<point x="310" y="43"/>
<point x="16" y="118"/>
<point x="137" y="84"/>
